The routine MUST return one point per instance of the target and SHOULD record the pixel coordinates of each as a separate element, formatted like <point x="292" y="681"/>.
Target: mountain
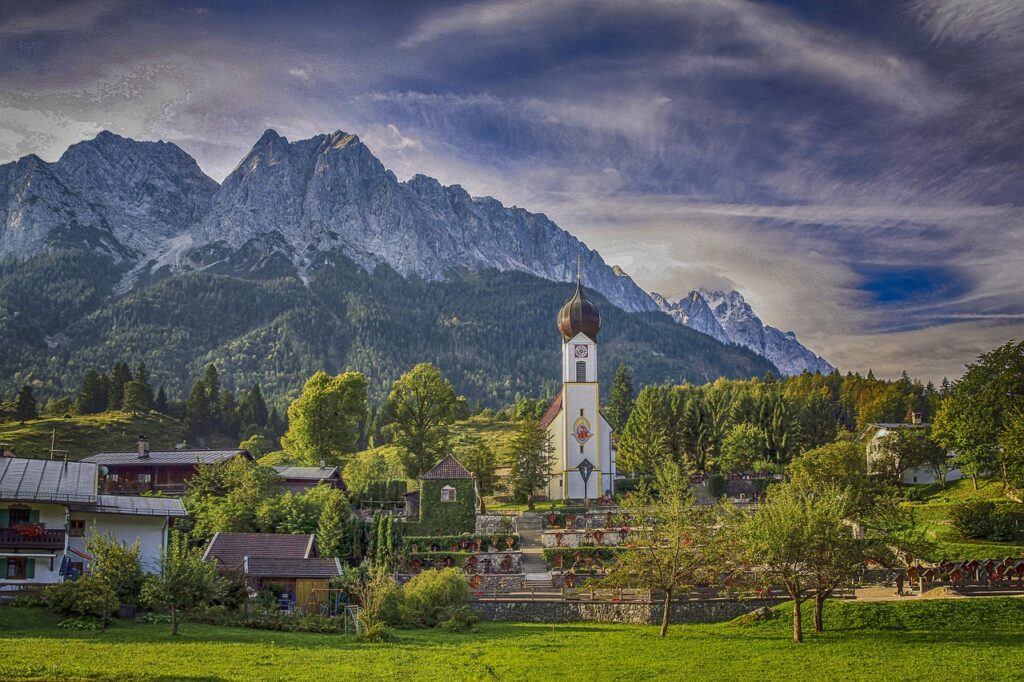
<point x="309" y="255"/>
<point x="111" y="194"/>
<point x="728" y="318"/>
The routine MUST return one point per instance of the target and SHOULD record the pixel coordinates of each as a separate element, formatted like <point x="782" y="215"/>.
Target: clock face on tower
<point x="580" y="350"/>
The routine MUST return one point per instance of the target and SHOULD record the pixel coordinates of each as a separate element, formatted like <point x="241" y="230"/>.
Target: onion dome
<point x="579" y="316"/>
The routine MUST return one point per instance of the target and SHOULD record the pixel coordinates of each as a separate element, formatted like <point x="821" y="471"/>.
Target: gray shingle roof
<point x="265" y="567"/>
<point x="447" y="468"/>
<point x="135" y="505"/>
<point x="230" y="549"/>
<point x="307" y="473"/>
<point x="47" y="480"/>
<point x="165" y="457"/>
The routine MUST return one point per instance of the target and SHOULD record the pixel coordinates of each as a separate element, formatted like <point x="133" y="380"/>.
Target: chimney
<point x="143" y="447"/>
<point x="917" y="418"/>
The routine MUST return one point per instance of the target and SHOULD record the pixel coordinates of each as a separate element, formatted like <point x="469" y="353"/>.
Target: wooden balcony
<point x="13" y="538"/>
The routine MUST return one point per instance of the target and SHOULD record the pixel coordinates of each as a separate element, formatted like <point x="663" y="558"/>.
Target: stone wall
<point x="573" y="538"/>
<point x="486" y="524"/>
<point x="636" y="613"/>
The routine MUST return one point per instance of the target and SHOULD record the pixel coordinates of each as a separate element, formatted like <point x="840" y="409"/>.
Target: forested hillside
<point x="493" y="334"/>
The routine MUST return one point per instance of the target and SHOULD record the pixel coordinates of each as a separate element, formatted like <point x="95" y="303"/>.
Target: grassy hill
<point x="965" y="639"/>
<point x="86" y="435"/>
<point x="933" y="505"/>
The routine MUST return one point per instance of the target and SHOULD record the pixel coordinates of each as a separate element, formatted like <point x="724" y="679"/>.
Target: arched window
<point x="447" y="494"/>
<point x="581" y="371"/>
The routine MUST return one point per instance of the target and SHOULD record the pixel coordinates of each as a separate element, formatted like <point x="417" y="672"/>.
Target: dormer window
<point x="447" y="494"/>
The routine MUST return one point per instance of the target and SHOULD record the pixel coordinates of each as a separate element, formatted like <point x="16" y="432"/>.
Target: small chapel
<point x="584" y="465"/>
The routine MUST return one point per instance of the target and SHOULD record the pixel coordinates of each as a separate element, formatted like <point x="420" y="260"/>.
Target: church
<point x="584" y="462"/>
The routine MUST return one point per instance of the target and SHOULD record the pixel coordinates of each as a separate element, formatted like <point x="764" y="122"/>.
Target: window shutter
<point x="4" y="517"/>
<point x="33" y="516"/>
<point x="581" y="372"/>
<point x="30" y="568"/>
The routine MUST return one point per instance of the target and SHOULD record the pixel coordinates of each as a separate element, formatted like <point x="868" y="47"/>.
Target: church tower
<point x="579" y="432"/>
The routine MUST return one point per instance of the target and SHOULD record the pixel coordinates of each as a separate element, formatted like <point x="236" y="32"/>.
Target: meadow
<point x="922" y="640"/>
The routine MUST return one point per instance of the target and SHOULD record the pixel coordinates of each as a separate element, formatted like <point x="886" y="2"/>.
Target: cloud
<point x="301" y="74"/>
<point x="24" y="18"/>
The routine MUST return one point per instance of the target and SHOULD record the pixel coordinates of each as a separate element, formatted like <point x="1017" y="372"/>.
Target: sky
<point x="855" y="169"/>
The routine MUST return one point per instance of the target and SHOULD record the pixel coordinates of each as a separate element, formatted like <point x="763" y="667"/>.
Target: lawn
<point x="927" y="640"/>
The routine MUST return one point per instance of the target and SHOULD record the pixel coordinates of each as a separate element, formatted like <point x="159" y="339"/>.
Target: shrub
<point x="1002" y="525"/>
<point x="460" y="620"/>
<point x="87" y="596"/>
<point x="82" y="624"/>
<point x="716" y="486"/>
<point x="972" y="518"/>
<point x="434" y="596"/>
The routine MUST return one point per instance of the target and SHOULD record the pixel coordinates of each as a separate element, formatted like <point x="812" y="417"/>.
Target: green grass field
<point x="928" y="640"/>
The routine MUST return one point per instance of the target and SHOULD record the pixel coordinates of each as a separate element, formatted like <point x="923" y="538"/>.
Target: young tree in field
<point x="532" y="456"/>
<point x="788" y="533"/>
<point x="185" y="581"/>
<point x="677" y="546"/>
<point x="323" y="422"/>
<point x="742" y="446"/>
<point x="480" y="460"/>
<point x="422" y="405"/>
<point x="25" y="405"/>
<point x="622" y="398"/>
<point x="644" y="443"/>
<point x="116" y="564"/>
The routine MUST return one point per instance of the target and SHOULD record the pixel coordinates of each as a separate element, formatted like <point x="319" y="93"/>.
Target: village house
<point x="873" y="436"/>
<point x="299" y="479"/>
<point x="446" y="501"/>
<point x="157" y="471"/>
<point x="286" y="563"/>
<point x="48" y="508"/>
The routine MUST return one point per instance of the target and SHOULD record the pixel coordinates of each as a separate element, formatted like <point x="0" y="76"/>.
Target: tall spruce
<point x="25" y="407"/>
<point x="644" y="443"/>
<point x="622" y="398"/>
<point x="532" y="456"/>
<point x="92" y="397"/>
<point x="120" y="375"/>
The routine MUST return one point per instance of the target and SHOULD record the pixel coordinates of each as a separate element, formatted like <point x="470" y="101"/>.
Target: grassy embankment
<point x="927" y="640"/>
<point x="933" y="513"/>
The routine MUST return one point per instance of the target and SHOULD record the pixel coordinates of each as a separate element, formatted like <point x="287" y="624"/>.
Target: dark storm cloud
<point x="854" y="168"/>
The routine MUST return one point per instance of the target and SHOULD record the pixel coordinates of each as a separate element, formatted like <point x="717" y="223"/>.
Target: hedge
<point x="444" y="542"/>
<point x="603" y="555"/>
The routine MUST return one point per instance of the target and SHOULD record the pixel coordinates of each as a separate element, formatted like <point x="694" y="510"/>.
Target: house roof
<point x="45" y="480"/>
<point x="166" y="457"/>
<point x="266" y="567"/>
<point x="307" y="473"/>
<point x="449" y="467"/>
<point x="135" y="505"/>
<point x="553" y="410"/>
<point x="737" y="487"/>
<point x="874" y="427"/>
<point x="230" y="549"/>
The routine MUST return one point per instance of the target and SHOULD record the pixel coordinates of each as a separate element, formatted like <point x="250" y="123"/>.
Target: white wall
<point x="47" y="569"/>
<point x="150" y="531"/>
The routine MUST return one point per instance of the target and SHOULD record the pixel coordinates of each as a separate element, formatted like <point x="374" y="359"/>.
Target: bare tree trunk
<point x="174" y="620"/>
<point x="974" y="477"/>
<point x="529" y="501"/>
<point x="798" y="632"/>
<point x="665" y="611"/>
<point x="819" y="604"/>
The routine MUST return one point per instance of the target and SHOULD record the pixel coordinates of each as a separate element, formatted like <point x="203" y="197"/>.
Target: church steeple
<point x="579" y="315"/>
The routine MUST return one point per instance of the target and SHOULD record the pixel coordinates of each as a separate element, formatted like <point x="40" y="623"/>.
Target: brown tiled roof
<point x="230" y="549"/>
<point x="265" y="567"/>
<point x="165" y="457"/>
<point x="553" y="410"/>
<point x="449" y="467"/>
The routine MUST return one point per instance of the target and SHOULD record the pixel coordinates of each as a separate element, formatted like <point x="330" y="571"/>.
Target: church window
<point x="581" y="372"/>
<point x="447" y="494"/>
<point x="581" y="449"/>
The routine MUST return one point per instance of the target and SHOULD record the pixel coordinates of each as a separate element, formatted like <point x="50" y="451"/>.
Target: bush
<point x="460" y="620"/>
<point x="153" y="618"/>
<point x="716" y="486"/>
<point x="434" y="596"/>
<point x="87" y="596"/>
<point x="81" y="624"/>
<point x="973" y="518"/>
<point x="1002" y="525"/>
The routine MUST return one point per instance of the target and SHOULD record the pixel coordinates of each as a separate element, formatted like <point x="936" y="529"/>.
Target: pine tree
<point x="644" y="444"/>
<point x="119" y="376"/>
<point x="136" y="397"/>
<point x="25" y="407"/>
<point x="623" y="397"/>
<point x="212" y="382"/>
<point x="252" y="410"/>
<point x="92" y="398"/>
<point x="161" y="401"/>
<point x="198" y="418"/>
<point x="532" y="455"/>
<point x="230" y="424"/>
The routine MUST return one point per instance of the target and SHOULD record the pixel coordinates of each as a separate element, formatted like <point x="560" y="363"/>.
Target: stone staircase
<point x="529" y="527"/>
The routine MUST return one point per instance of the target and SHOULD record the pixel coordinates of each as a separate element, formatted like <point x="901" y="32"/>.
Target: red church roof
<point x="553" y="410"/>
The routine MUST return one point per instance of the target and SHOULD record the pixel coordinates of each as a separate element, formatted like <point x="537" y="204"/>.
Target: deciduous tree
<point x="422" y="406"/>
<point x="323" y="422"/>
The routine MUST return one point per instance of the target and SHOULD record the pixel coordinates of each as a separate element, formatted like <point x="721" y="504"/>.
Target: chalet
<point x="49" y="507"/>
<point x="872" y="436"/>
<point x="286" y="563"/>
<point x="298" y="479"/>
<point x="154" y="471"/>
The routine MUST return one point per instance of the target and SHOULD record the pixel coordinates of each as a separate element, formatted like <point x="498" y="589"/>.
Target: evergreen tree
<point x="119" y="376"/>
<point x="211" y="380"/>
<point x="161" y="401"/>
<point x="92" y="397"/>
<point x="623" y="397"/>
<point x="252" y="410"/>
<point x="532" y="456"/>
<point x="230" y="424"/>
<point x="644" y="442"/>
<point x="198" y="416"/>
<point x="137" y="397"/>
<point x="25" y="405"/>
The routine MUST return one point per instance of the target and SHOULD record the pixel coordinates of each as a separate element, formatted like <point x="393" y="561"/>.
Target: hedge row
<point x="444" y="542"/>
<point x="600" y="554"/>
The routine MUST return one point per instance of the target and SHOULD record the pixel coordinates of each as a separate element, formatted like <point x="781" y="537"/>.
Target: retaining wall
<point x="635" y="613"/>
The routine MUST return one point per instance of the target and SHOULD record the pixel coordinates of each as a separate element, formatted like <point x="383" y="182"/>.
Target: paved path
<point x="532" y="547"/>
